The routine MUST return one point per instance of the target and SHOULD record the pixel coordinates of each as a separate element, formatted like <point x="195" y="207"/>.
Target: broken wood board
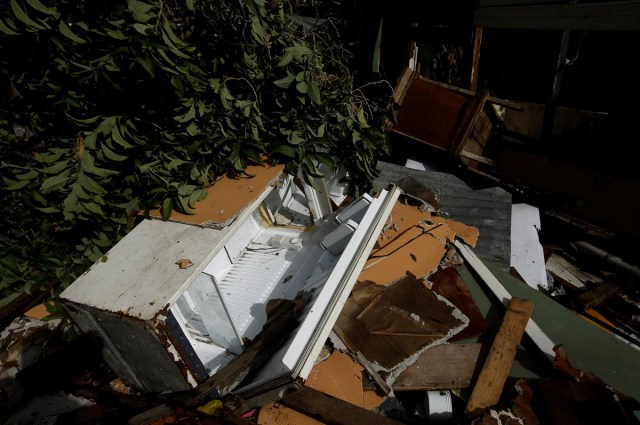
<point x="567" y="273"/>
<point x="413" y="241"/>
<point x="448" y="283"/>
<point x="392" y="353"/>
<point x="488" y="388"/>
<point x="340" y="376"/>
<point x="332" y="410"/>
<point x="442" y="367"/>
<point x="527" y="256"/>
<point x="596" y="296"/>
<point x="228" y="197"/>
<point x="431" y="113"/>
<point x="590" y="348"/>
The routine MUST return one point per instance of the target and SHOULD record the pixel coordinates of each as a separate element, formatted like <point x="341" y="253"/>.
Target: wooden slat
<point x="611" y="16"/>
<point x="442" y="367"/>
<point x="488" y="388"/>
<point x="331" y="410"/>
<point x="475" y="65"/>
<point x="373" y="373"/>
<point x="595" y="296"/>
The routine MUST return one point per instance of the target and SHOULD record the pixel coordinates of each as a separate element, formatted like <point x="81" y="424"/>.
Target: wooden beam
<point x="479" y="158"/>
<point x="331" y="410"/>
<point x="488" y="388"/>
<point x="443" y="367"/>
<point x="373" y="373"/>
<point x="461" y="136"/>
<point x="496" y="101"/>
<point x="604" y="16"/>
<point x="477" y="42"/>
<point x="595" y="296"/>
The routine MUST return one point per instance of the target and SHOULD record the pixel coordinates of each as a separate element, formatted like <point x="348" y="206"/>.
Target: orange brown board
<point x="339" y="376"/>
<point x="414" y="241"/>
<point x="229" y="196"/>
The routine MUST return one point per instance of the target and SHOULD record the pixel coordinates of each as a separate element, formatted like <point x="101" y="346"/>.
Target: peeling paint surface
<point x="413" y="241"/>
<point x="228" y="197"/>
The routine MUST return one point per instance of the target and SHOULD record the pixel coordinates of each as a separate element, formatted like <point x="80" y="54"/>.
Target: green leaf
<point x="88" y="166"/>
<point x="4" y="28"/>
<point x="284" y="150"/>
<point x="142" y="28"/>
<point x="89" y="184"/>
<point x="56" y="168"/>
<point x="93" y="208"/>
<point x="30" y="175"/>
<point x="48" y="210"/>
<point x="91" y="120"/>
<point x="361" y="119"/>
<point x="188" y="116"/>
<point x="117" y="137"/>
<point x="172" y="36"/>
<point x="146" y="63"/>
<point x="167" y="207"/>
<point x="286" y="58"/>
<point x="285" y="82"/>
<point x="183" y="205"/>
<point x="302" y="87"/>
<point x="66" y="31"/>
<point x="118" y="35"/>
<point x="106" y="126"/>
<point x="295" y="138"/>
<point x="314" y="94"/>
<point x="55" y="183"/>
<point x="146" y="167"/>
<point x="192" y="129"/>
<point x="44" y="9"/>
<point x="321" y="130"/>
<point x="18" y="185"/>
<point x="138" y="6"/>
<point x="175" y="163"/>
<point x="111" y="155"/>
<point x="23" y="17"/>
<point x="77" y="190"/>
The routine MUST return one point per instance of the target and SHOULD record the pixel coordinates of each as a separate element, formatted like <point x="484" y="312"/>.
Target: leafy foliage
<point x="116" y="107"/>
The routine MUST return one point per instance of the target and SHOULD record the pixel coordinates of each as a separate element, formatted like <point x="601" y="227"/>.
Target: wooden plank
<point x="471" y="114"/>
<point x="608" y="16"/>
<point x="567" y="273"/>
<point x="475" y="65"/>
<point x="331" y="410"/>
<point x="595" y="296"/>
<point x="488" y="388"/>
<point x="403" y="85"/>
<point x="443" y="367"/>
<point x="373" y="373"/>
<point x="478" y="158"/>
<point x="496" y="101"/>
<point x="431" y="113"/>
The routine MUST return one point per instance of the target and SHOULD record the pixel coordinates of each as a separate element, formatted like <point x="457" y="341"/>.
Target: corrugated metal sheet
<point x="487" y="209"/>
